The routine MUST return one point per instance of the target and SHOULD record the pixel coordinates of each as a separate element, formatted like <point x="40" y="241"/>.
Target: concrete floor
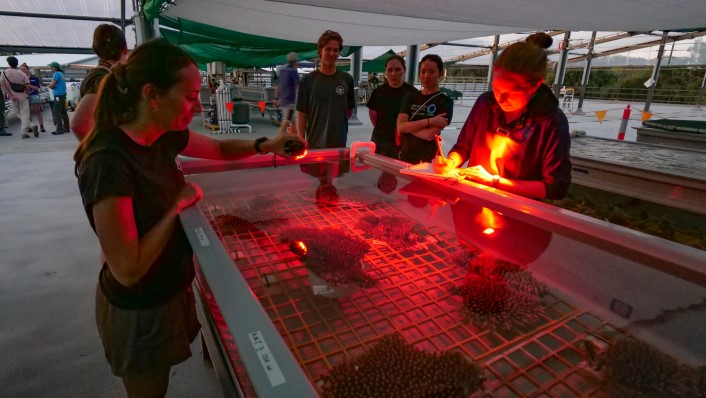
<point x="49" y="261"/>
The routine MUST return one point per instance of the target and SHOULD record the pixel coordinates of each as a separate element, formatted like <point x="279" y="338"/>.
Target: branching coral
<point x="396" y="231"/>
<point x="263" y="210"/>
<point x="464" y="257"/>
<point x="332" y="254"/>
<point x="499" y="294"/>
<point x="393" y="368"/>
<point x="644" y="371"/>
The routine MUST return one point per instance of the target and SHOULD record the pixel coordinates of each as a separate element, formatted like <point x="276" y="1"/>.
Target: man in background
<point x="110" y="46"/>
<point x="58" y="86"/>
<point x="326" y="99"/>
<point x="286" y="92"/>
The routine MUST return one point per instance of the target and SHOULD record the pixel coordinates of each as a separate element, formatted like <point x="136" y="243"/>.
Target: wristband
<point x="257" y="145"/>
<point x="428" y="123"/>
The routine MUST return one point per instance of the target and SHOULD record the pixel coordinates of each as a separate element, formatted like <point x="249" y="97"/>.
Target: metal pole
<point x="586" y="74"/>
<point x="122" y="15"/>
<point x="143" y="28"/>
<point x="493" y="56"/>
<point x="655" y="71"/>
<point x="700" y="98"/>
<point x="356" y="71"/>
<point x="59" y="16"/>
<point x="561" y="68"/>
<point x="412" y="61"/>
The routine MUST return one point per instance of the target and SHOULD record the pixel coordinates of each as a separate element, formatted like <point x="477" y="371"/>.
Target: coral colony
<point x="498" y="294"/>
<point x="392" y="368"/>
<point x="642" y="371"/>
<point x="263" y="210"/>
<point x="394" y="230"/>
<point x="331" y="254"/>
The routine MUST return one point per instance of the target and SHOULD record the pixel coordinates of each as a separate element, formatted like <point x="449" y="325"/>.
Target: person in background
<point x="374" y="81"/>
<point x="133" y="190"/>
<point x="16" y="85"/>
<point x="58" y="86"/>
<point x="35" y="102"/>
<point x="384" y="106"/>
<point x="110" y="46"/>
<point x="286" y="92"/>
<point x="424" y="114"/>
<point x="3" y="126"/>
<point x="516" y="138"/>
<point x="326" y="98"/>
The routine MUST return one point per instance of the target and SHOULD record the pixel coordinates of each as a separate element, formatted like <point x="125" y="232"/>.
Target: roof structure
<point x="405" y="22"/>
<point x="451" y="28"/>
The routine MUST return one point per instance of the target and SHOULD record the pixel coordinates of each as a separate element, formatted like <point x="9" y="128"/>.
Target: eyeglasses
<point x="517" y="134"/>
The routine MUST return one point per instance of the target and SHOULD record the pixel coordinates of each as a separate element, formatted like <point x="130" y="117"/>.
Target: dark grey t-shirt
<point x="326" y="100"/>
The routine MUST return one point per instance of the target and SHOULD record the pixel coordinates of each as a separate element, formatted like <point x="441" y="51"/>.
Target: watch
<point x="496" y="180"/>
<point x="258" y="142"/>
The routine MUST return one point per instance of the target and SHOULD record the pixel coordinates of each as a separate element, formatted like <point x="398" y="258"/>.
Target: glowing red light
<point x="488" y="231"/>
<point x="301" y="156"/>
<point x="298" y="247"/>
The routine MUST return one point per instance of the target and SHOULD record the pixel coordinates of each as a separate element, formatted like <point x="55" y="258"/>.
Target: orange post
<point x="229" y="107"/>
<point x="261" y="105"/>
<point x="624" y="123"/>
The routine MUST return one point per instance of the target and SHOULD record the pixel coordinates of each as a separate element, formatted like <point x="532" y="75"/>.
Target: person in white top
<point x="16" y="85"/>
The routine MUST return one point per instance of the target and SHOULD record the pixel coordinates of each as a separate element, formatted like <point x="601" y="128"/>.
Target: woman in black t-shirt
<point x="424" y="114"/>
<point x="384" y="105"/>
<point x="133" y="190"/>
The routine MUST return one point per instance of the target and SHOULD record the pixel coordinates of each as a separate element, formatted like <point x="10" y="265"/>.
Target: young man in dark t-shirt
<point x="326" y="98"/>
<point x="110" y="46"/>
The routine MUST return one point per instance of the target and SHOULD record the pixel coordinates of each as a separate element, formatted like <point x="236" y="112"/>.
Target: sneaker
<point x="4" y="133"/>
<point x="41" y="128"/>
<point x="35" y="130"/>
<point x="57" y="132"/>
<point x="25" y="135"/>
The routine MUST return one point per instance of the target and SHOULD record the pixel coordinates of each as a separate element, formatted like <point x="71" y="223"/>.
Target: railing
<point x="666" y="96"/>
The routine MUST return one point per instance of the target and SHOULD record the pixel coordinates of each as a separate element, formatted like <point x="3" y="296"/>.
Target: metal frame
<point x="243" y="313"/>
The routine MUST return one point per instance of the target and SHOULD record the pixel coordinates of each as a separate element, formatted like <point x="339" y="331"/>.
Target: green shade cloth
<point x="207" y="43"/>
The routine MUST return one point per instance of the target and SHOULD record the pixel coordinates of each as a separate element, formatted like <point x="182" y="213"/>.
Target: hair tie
<point x="119" y="70"/>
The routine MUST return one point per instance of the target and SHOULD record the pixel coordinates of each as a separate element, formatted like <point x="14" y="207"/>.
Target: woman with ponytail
<point x="516" y="138"/>
<point x="133" y="191"/>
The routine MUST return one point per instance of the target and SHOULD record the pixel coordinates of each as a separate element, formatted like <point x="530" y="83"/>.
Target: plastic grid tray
<point x="412" y="297"/>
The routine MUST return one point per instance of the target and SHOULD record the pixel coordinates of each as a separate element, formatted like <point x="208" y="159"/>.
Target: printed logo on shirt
<point x="431" y="109"/>
<point x="340" y="90"/>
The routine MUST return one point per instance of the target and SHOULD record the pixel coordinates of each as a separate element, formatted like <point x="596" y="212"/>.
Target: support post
<point x="493" y="56"/>
<point x="561" y="67"/>
<point x="700" y="97"/>
<point x="356" y="71"/>
<point x="655" y="71"/>
<point x="412" y="61"/>
<point x="586" y="74"/>
<point x="143" y="28"/>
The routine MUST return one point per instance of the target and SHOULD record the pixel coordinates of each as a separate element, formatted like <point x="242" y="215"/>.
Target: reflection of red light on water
<point x="489" y="221"/>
